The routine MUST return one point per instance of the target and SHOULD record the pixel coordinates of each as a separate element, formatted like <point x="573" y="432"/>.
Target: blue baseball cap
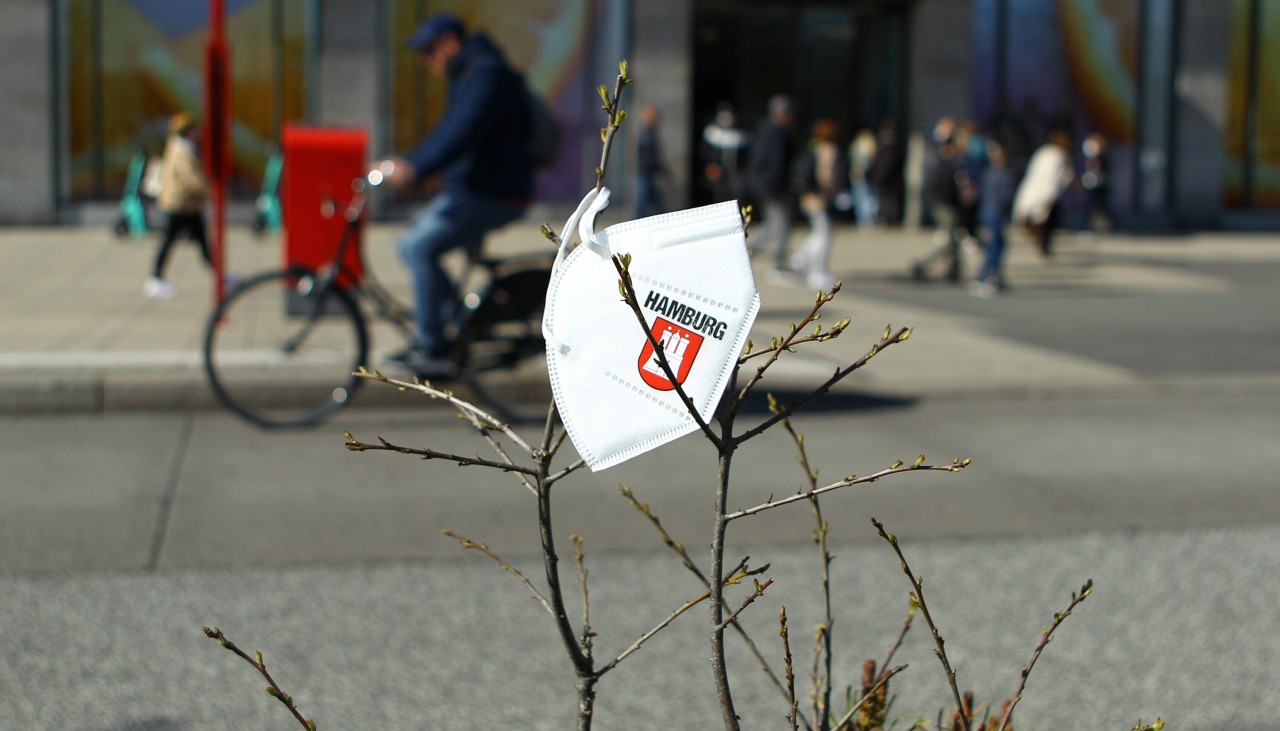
<point x="433" y="28"/>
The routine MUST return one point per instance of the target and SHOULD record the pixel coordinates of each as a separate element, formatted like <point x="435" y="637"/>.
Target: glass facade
<point x="131" y="64"/>
<point x="1110" y="66"/>
<point x="1253" y="106"/>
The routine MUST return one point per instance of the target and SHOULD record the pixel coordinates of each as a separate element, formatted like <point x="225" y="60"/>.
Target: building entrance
<point x="843" y="61"/>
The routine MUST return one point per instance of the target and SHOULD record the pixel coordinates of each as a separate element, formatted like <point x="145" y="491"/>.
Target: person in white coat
<point x="1049" y="173"/>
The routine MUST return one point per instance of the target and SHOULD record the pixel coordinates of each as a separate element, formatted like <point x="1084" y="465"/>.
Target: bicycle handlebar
<point x="375" y="176"/>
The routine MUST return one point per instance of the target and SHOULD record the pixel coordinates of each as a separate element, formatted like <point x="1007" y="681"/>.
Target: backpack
<point x="544" y="131"/>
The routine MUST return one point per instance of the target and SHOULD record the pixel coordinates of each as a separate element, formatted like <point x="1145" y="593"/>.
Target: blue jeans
<point x="993" y="267"/>
<point x="648" y="197"/>
<point x="777" y="231"/>
<point x="451" y="220"/>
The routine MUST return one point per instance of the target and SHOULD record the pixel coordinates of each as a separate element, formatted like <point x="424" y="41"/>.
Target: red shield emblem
<point x="681" y="347"/>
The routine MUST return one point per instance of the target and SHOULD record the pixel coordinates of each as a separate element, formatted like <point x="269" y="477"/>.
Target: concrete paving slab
<point x="107" y="505"/>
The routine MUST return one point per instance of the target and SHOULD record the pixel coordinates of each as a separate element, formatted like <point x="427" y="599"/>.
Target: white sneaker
<point x="983" y="289"/>
<point x="820" y="280"/>
<point x="158" y="289"/>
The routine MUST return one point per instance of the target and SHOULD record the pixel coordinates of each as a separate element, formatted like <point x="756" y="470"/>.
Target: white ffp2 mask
<point x="694" y="284"/>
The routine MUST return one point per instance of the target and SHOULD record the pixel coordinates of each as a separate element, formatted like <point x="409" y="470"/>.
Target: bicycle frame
<point x="365" y="286"/>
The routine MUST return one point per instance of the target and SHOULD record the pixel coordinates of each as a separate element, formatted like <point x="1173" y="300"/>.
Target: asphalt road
<point x="123" y="533"/>
<point x="332" y="564"/>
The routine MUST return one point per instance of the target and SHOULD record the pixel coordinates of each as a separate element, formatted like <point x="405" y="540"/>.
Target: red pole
<point x="217" y="137"/>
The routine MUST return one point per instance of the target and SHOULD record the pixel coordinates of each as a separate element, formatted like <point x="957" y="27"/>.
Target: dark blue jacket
<point x="481" y="143"/>
<point x="998" y="189"/>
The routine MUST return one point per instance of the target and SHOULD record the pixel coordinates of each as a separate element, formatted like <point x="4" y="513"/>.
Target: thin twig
<point x="918" y="587"/>
<point x="552" y="479"/>
<point x="849" y="481"/>
<point x="884" y="678"/>
<point x="1046" y="636"/>
<point x="794" y="338"/>
<point x="483" y="422"/>
<point x="672" y="543"/>
<point x="622" y="264"/>
<point x="273" y="688"/>
<point x="759" y="592"/>
<point x="739" y="573"/>
<point x="480" y="418"/>
<point x="902" y="635"/>
<point x="687" y="560"/>
<point x="647" y="635"/>
<point x="355" y="445"/>
<point x="822" y="646"/>
<point x="615" y="115"/>
<point x="548" y="428"/>
<point x="793" y="707"/>
<point x="587" y="634"/>
<point x="482" y="548"/>
<point x="557" y="442"/>
<point x="889" y="338"/>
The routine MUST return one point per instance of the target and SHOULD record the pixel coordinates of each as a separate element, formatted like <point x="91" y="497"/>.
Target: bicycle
<point x="283" y="347"/>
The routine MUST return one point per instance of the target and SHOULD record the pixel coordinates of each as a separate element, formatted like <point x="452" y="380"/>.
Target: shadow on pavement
<point x="836" y="401"/>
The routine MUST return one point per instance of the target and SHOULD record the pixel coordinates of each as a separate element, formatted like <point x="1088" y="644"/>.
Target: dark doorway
<point x="840" y="60"/>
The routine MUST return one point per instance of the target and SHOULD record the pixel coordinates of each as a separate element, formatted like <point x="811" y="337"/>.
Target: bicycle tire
<point x="257" y="372"/>
<point x="502" y="351"/>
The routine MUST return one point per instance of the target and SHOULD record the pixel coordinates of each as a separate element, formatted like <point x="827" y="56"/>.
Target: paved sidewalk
<point x="79" y="336"/>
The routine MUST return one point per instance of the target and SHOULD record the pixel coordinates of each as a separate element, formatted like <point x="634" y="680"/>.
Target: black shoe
<point x="424" y="364"/>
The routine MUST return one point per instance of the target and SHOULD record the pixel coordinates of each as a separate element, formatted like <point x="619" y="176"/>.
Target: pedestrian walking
<point x="862" y="155"/>
<point x="724" y="146"/>
<point x="769" y="167"/>
<point x="651" y="170"/>
<point x="820" y="174"/>
<point x="942" y="198"/>
<point x="888" y="176"/>
<point x="1096" y="179"/>
<point x="995" y="200"/>
<point x="1037" y="202"/>
<point x="183" y="190"/>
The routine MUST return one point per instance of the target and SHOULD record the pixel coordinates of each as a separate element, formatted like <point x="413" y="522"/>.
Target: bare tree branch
<point x="793" y="708"/>
<point x="273" y="688"/>
<point x="355" y="445"/>
<point x="482" y="548"/>
<point x="759" y="592"/>
<point x="1046" y="636"/>
<point x="648" y="635"/>
<point x="687" y="560"/>
<point x="792" y="339"/>
<point x="889" y="338"/>
<point x="587" y="634"/>
<point x="480" y="418"/>
<point x="483" y="422"/>
<point x="918" y="586"/>
<point x="898" y="468"/>
<point x="552" y="479"/>
<point x="843" y="723"/>
<point x="621" y="264"/>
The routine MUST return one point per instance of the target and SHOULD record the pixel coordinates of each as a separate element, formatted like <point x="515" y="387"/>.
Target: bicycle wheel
<point x="504" y="358"/>
<point x="281" y="353"/>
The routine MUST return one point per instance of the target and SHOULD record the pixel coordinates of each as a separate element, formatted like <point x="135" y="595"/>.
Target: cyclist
<point x="480" y="150"/>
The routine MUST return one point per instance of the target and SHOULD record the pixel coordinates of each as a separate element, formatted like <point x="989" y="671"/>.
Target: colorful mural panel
<point x="1253" y="157"/>
<point x="550" y="41"/>
<point x="1071" y="64"/>
<point x="133" y="63"/>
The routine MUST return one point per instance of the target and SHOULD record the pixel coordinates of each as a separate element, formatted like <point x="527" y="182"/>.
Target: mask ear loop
<point x="583" y="220"/>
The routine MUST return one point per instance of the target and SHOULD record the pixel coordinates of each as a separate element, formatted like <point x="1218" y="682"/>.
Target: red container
<point x="315" y="190"/>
